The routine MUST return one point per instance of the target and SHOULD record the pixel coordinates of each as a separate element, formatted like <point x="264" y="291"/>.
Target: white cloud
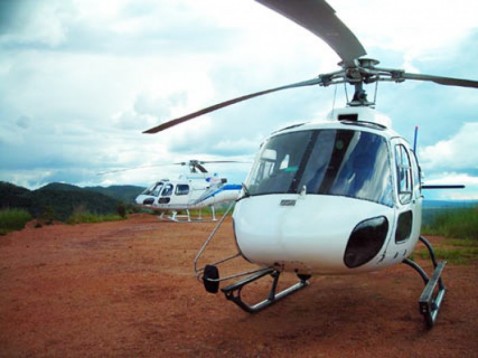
<point x="38" y="23"/>
<point x="81" y="79"/>
<point x="454" y="153"/>
<point x="469" y="192"/>
<point x="413" y="28"/>
<point x="453" y="161"/>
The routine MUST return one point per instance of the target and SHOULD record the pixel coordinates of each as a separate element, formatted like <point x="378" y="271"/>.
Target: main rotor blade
<point x="201" y="168"/>
<point x="194" y="162"/>
<point x="319" y="18"/>
<point x="129" y="169"/>
<point x="221" y="161"/>
<point x="174" y="122"/>
<point x="447" y="81"/>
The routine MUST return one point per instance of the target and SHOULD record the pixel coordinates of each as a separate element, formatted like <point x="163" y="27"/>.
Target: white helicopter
<point x="196" y="190"/>
<point x="343" y="195"/>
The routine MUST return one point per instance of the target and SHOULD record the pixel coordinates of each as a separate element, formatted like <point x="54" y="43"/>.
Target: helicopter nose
<point x="319" y="234"/>
<point x="144" y="200"/>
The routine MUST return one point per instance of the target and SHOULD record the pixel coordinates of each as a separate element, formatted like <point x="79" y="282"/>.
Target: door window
<point x="404" y="174"/>
<point x="168" y="190"/>
<point x="182" y="189"/>
<point x="404" y="226"/>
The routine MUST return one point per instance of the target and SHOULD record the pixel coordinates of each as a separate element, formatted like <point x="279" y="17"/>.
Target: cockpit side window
<point x="417" y="180"/>
<point x="404" y="174"/>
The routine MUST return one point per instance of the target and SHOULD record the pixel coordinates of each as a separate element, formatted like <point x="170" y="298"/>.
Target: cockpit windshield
<point x="348" y="163"/>
<point x="154" y="189"/>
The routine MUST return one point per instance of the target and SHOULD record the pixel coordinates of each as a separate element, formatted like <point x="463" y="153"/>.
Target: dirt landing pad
<point x="127" y="289"/>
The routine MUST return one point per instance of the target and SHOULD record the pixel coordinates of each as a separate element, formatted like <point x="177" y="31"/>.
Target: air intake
<point x="348" y="117"/>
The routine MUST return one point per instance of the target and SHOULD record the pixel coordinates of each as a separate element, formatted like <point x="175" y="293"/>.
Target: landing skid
<point x="434" y="291"/>
<point x="209" y="275"/>
<point x="177" y="217"/>
<point x="233" y="292"/>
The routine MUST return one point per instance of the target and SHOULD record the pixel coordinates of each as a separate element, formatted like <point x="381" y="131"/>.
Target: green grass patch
<point x="81" y="215"/>
<point x="87" y="217"/>
<point x="455" y="223"/>
<point x="13" y="219"/>
<point x="454" y="251"/>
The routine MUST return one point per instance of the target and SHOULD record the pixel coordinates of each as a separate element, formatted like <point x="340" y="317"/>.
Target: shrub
<point x="13" y="219"/>
<point x="121" y="209"/>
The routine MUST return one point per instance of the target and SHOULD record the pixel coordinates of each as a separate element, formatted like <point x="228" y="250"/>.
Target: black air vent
<point x="348" y="117"/>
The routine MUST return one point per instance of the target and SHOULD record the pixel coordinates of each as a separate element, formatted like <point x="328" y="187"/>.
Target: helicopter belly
<point x="309" y="234"/>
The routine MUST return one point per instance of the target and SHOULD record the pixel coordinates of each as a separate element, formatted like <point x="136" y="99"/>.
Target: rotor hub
<point x="367" y="62"/>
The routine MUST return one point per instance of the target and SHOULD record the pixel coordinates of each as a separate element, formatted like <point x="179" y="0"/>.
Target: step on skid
<point x="434" y="291"/>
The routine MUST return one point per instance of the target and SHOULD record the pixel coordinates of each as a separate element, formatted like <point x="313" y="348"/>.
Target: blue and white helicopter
<point x="192" y="191"/>
<point x="343" y="194"/>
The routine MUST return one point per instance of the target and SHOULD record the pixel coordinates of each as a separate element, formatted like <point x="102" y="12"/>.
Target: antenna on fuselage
<point x="415" y="138"/>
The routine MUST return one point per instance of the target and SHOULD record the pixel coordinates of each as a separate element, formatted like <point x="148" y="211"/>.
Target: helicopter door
<point x="408" y="220"/>
<point x="181" y="194"/>
<point x="166" y="193"/>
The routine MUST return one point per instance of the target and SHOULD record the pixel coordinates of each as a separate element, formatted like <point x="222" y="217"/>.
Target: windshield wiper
<point x="246" y="192"/>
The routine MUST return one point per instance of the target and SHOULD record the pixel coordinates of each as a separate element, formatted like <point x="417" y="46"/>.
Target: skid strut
<point x="233" y="291"/>
<point x="434" y="291"/>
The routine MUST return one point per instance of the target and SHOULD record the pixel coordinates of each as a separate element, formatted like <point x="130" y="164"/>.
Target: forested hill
<point x="59" y="200"/>
<point x="124" y="193"/>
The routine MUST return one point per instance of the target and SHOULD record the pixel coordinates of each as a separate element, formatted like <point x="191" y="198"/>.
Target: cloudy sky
<point x="81" y="79"/>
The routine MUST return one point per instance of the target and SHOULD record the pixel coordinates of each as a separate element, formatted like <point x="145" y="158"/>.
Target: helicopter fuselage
<point x="188" y="192"/>
<point x="333" y="197"/>
<point x="328" y="198"/>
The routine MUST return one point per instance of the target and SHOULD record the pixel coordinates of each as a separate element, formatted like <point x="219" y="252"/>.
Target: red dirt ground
<point x="128" y="289"/>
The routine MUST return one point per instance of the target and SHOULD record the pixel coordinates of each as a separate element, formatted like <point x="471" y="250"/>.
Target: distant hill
<point x="443" y="204"/>
<point x="124" y="193"/>
<point x="12" y="196"/>
<point x="433" y="208"/>
<point x="60" y="186"/>
<point x="59" y="200"/>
